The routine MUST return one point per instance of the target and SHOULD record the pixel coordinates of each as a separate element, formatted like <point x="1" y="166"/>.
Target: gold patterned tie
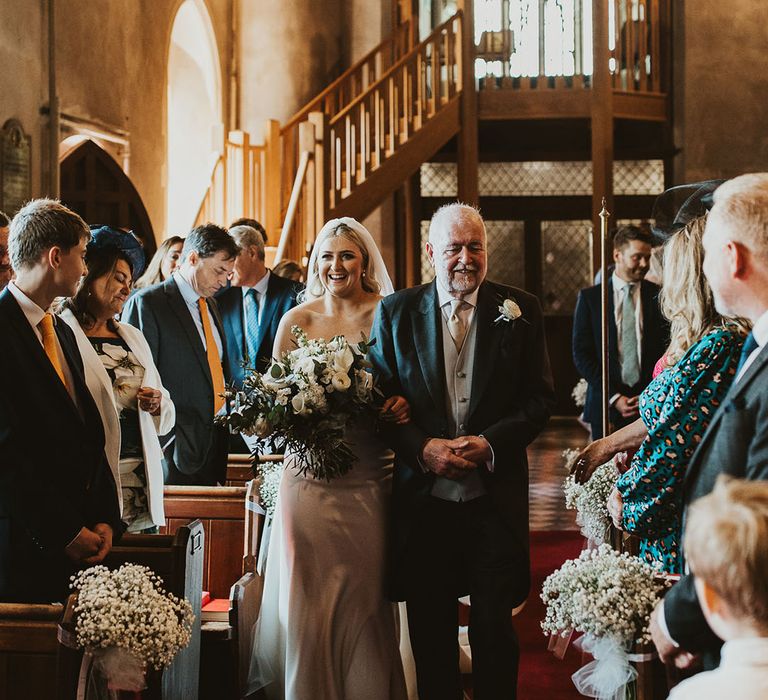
<point x="214" y="361"/>
<point x="49" y="343"/>
<point x="456" y="325"/>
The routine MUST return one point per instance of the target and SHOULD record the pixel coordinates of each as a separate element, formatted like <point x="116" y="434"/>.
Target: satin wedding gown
<point x="326" y="629"/>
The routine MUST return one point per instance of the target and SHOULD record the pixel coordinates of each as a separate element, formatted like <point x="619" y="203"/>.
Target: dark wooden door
<point x="95" y="186"/>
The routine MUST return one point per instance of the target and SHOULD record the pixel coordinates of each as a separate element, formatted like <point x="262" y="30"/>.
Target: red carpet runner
<point x="542" y="676"/>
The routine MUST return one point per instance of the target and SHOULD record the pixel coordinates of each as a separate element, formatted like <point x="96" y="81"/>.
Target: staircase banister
<point x="394" y="68"/>
<point x="311" y="106"/>
<point x="298" y="182"/>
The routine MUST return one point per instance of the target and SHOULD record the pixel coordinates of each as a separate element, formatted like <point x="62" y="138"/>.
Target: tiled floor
<point x="546" y="471"/>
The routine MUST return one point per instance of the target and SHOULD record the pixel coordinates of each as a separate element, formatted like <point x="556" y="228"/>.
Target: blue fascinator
<point x="103" y="237"/>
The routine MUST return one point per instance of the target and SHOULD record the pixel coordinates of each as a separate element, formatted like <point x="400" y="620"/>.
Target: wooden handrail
<point x="397" y="66"/>
<point x="404" y="30"/>
<point x="298" y="183"/>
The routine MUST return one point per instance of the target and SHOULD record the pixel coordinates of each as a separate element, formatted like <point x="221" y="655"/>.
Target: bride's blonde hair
<point x="315" y="288"/>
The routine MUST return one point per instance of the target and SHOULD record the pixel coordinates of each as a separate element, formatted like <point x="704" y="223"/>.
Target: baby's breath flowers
<point x="127" y="610"/>
<point x="270" y="473"/>
<point x="609" y="597"/>
<point x="579" y="393"/>
<point x="590" y="500"/>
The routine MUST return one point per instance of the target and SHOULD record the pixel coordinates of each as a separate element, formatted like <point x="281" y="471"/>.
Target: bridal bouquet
<point x="590" y="499"/>
<point x="304" y="401"/>
<point x="128" y="622"/>
<point x="609" y="597"/>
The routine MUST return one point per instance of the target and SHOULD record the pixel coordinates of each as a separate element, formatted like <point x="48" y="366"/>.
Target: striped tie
<point x="214" y="361"/>
<point x="49" y="343"/>
<point x="251" y="307"/>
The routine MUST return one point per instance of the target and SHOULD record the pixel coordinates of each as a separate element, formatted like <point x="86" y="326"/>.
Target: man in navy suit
<point x="470" y="357"/>
<point x="251" y="310"/>
<point x="181" y="323"/>
<point x="59" y="507"/>
<point x="638" y="335"/>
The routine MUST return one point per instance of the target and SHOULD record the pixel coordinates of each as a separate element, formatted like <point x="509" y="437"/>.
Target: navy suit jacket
<point x="161" y="314"/>
<point x="54" y="477"/>
<point x="587" y="343"/>
<point x="280" y="298"/>
<point x="736" y="443"/>
<point x="511" y="400"/>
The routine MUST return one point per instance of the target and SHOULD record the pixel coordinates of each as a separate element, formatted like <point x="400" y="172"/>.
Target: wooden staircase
<point x="349" y="148"/>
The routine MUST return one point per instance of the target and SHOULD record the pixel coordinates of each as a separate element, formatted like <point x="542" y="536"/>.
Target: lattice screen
<point x="545" y="178"/>
<point x="565" y="258"/>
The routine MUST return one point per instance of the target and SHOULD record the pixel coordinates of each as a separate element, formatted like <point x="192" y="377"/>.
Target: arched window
<point x="194" y="114"/>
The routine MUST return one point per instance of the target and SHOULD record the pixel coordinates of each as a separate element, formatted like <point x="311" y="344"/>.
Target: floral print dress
<point x="676" y="407"/>
<point x="127" y="376"/>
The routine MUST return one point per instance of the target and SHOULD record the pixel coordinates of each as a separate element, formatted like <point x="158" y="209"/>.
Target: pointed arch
<point x="194" y="113"/>
<point x="97" y="188"/>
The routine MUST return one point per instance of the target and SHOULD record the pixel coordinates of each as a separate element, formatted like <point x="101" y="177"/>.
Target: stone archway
<point x="95" y="186"/>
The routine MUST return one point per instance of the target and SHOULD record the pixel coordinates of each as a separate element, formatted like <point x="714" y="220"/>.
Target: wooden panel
<point x="534" y="104"/>
<point x="646" y="106"/>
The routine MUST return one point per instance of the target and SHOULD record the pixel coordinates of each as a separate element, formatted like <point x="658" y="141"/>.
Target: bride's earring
<point x="363" y="275"/>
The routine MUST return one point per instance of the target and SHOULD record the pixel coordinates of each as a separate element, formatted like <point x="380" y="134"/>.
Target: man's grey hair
<point x="246" y="236"/>
<point x="450" y="213"/>
<point x="741" y="205"/>
<point x="42" y="224"/>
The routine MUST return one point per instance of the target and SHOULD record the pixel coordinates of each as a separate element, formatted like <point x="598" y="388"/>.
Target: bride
<point x="326" y="629"/>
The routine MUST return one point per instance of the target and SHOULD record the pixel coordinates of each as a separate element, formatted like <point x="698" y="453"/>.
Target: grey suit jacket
<point x="736" y="443"/>
<point x="162" y="315"/>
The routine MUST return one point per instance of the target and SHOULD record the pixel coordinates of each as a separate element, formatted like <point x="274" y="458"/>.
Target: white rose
<point x="299" y="404"/>
<point x="341" y="382"/>
<point x="511" y="310"/>
<point x="262" y="427"/>
<point x="305" y="365"/>
<point x="343" y="359"/>
<point x="282" y="396"/>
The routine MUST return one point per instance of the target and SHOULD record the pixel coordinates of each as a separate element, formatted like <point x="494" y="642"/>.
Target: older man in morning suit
<point x="59" y="508"/>
<point x="736" y="443"/>
<point x="478" y="381"/>
<point x="181" y="323"/>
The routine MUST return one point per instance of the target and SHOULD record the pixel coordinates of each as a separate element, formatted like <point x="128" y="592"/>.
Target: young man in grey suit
<point x="736" y="443"/>
<point x="470" y="357"/>
<point x="181" y="323"/>
<point x="59" y="508"/>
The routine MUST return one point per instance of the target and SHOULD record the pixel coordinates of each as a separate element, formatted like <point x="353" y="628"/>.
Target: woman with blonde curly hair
<point x="676" y="407"/>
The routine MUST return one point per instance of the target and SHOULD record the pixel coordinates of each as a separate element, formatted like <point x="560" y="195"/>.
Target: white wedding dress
<point x="326" y="630"/>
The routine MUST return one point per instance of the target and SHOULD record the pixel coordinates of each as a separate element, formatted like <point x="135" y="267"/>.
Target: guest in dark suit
<point x="736" y="443"/>
<point x="252" y="307"/>
<point x="637" y="332"/>
<point x="251" y="310"/>
<point x="470" y="357"/>
<point x="181" y="322"/>
<point x="59" y="508"/>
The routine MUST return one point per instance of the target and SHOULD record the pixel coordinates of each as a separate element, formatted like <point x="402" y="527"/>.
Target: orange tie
<point x="214" y="361"/>
<point x="49" y="343"/>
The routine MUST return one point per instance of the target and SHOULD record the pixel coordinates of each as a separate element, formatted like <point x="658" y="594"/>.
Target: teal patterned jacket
<point x="676" y="407"/>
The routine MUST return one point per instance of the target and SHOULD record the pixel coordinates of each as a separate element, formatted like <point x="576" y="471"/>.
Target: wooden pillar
<point x="272" y="205"/>
<point x="602" y="125"/>
<point x="408" y="241"/>
<point x="467" y="140"/>
<point x="322" y="164"/>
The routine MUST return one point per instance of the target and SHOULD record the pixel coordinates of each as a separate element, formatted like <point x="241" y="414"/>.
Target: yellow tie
<point x="49" y="343"/>
<point x="214" y="361"/>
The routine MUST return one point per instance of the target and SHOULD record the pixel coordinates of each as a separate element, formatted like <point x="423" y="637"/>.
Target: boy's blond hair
<point x="726" y="545"/>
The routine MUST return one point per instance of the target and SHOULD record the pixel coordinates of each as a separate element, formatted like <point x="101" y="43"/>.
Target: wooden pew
<point x="240" y="467"/>
<point x="29" y="652"/>
<point x="221" y="509"/>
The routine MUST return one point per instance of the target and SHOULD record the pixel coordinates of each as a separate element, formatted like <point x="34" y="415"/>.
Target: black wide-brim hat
<point x="103" y="237"/>
<point x="676" y="207"/>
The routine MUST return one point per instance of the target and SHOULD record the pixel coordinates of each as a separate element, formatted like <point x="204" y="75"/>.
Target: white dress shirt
<point x="191" y="298"/>
<point x="34" y="315"/>
<point x="742" y="674"/>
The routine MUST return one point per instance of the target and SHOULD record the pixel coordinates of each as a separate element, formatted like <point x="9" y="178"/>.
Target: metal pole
<point x="53" y="107"/>
<point x="604" y="214"/>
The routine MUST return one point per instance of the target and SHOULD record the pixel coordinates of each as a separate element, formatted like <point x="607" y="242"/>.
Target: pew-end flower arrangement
<point x="304" y="401"/>
<point x="128" y="622"/>
<point x="590" y="500"/>
<point x="609" y="598"/>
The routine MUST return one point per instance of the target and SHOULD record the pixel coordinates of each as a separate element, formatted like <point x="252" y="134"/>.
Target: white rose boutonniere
<point x="509" y="311"/>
